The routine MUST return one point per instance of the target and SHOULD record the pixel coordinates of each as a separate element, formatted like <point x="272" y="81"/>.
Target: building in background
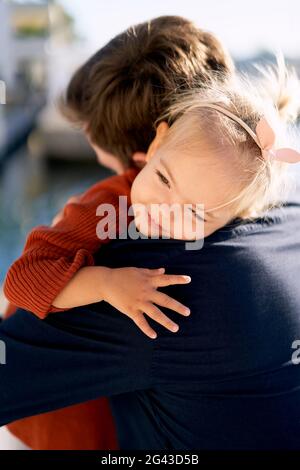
<point x="23" y="36"/>
<point x="37" y="57"/>
<point x="27" y="29"/>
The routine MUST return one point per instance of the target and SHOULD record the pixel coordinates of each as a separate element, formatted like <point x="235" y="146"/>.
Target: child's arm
<point x="133" y="291"/>
<point x="53" y="255"/>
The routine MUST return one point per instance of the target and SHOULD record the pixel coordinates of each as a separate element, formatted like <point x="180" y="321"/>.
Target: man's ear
<point x="161" y="132"/>
<point x="139" y="159"/>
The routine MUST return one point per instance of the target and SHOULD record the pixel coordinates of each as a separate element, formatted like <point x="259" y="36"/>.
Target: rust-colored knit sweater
<point x="52" y="255"/>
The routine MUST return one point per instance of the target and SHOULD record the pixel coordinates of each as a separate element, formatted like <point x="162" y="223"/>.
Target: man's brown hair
<point x="121" y="91"/>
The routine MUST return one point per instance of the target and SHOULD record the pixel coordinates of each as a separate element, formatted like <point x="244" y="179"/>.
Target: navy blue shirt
<point x="225" y="380"/>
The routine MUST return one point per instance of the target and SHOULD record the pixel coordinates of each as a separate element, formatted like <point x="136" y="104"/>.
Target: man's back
<point x="225" y="380"/>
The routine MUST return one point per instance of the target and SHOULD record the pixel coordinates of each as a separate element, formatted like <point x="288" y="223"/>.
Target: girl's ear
<point x="161" y="132"/>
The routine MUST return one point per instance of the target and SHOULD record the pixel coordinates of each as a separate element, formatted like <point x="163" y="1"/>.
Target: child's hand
<point x="133" y="291"/>
<point x="59" y="216"/>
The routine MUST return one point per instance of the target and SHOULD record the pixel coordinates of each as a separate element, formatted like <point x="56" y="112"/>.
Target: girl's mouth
<point x="153" y="225"/>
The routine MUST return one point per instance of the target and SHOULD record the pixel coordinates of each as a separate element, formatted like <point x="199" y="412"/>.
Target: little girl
<point x="227" y="145"/>
<point x="227" y="150"/>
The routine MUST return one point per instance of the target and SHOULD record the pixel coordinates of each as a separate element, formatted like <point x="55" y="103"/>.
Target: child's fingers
<point x="165" y="300"/>
<point x="75" y="198"/>
<point x="153" y="272"/>
<point x="142" y="323"/>
<point x="153" y="312"/>
<point x="57" y="218"/>
<point x="171" y="279"/>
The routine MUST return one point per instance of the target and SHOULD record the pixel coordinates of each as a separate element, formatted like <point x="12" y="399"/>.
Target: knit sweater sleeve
<point x="52" y="255"/>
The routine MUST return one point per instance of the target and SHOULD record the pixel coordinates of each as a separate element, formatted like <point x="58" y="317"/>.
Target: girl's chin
<point x="149" y="230"/>
<point x="152" y="230"/>
<point x="148" y="227"/>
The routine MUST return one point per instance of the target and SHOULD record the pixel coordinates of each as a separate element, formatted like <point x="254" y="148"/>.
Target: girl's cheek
<point x="139" y="189"/>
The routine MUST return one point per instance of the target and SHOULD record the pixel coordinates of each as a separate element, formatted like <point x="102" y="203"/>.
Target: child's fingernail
<point x="187" y="278"/>
<point x="187" y="311"/>
<point x="161" y="270"/>
<point x="174" y="328"/>
<point x="153" y="335"/>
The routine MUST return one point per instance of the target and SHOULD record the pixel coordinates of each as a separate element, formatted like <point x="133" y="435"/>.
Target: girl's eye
<point x="163" y="178"/>
<point x="199" y="217"/>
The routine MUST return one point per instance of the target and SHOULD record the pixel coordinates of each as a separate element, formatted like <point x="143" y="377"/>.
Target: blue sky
<point x="245" y="27"/>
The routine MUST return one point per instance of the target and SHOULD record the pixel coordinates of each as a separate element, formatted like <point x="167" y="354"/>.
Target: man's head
<point x="119" y="93"/>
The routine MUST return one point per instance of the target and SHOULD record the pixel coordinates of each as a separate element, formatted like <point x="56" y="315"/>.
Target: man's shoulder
<point x="239" y="244"/>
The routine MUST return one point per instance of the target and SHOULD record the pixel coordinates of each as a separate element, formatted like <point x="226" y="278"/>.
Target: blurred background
<point x="43" y="160"/>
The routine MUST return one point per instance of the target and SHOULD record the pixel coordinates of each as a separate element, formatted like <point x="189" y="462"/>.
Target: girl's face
<point x="172" y="176"/>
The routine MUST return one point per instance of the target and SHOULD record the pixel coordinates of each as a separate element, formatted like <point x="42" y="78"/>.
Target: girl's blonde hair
<point x="275" y="95"/>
